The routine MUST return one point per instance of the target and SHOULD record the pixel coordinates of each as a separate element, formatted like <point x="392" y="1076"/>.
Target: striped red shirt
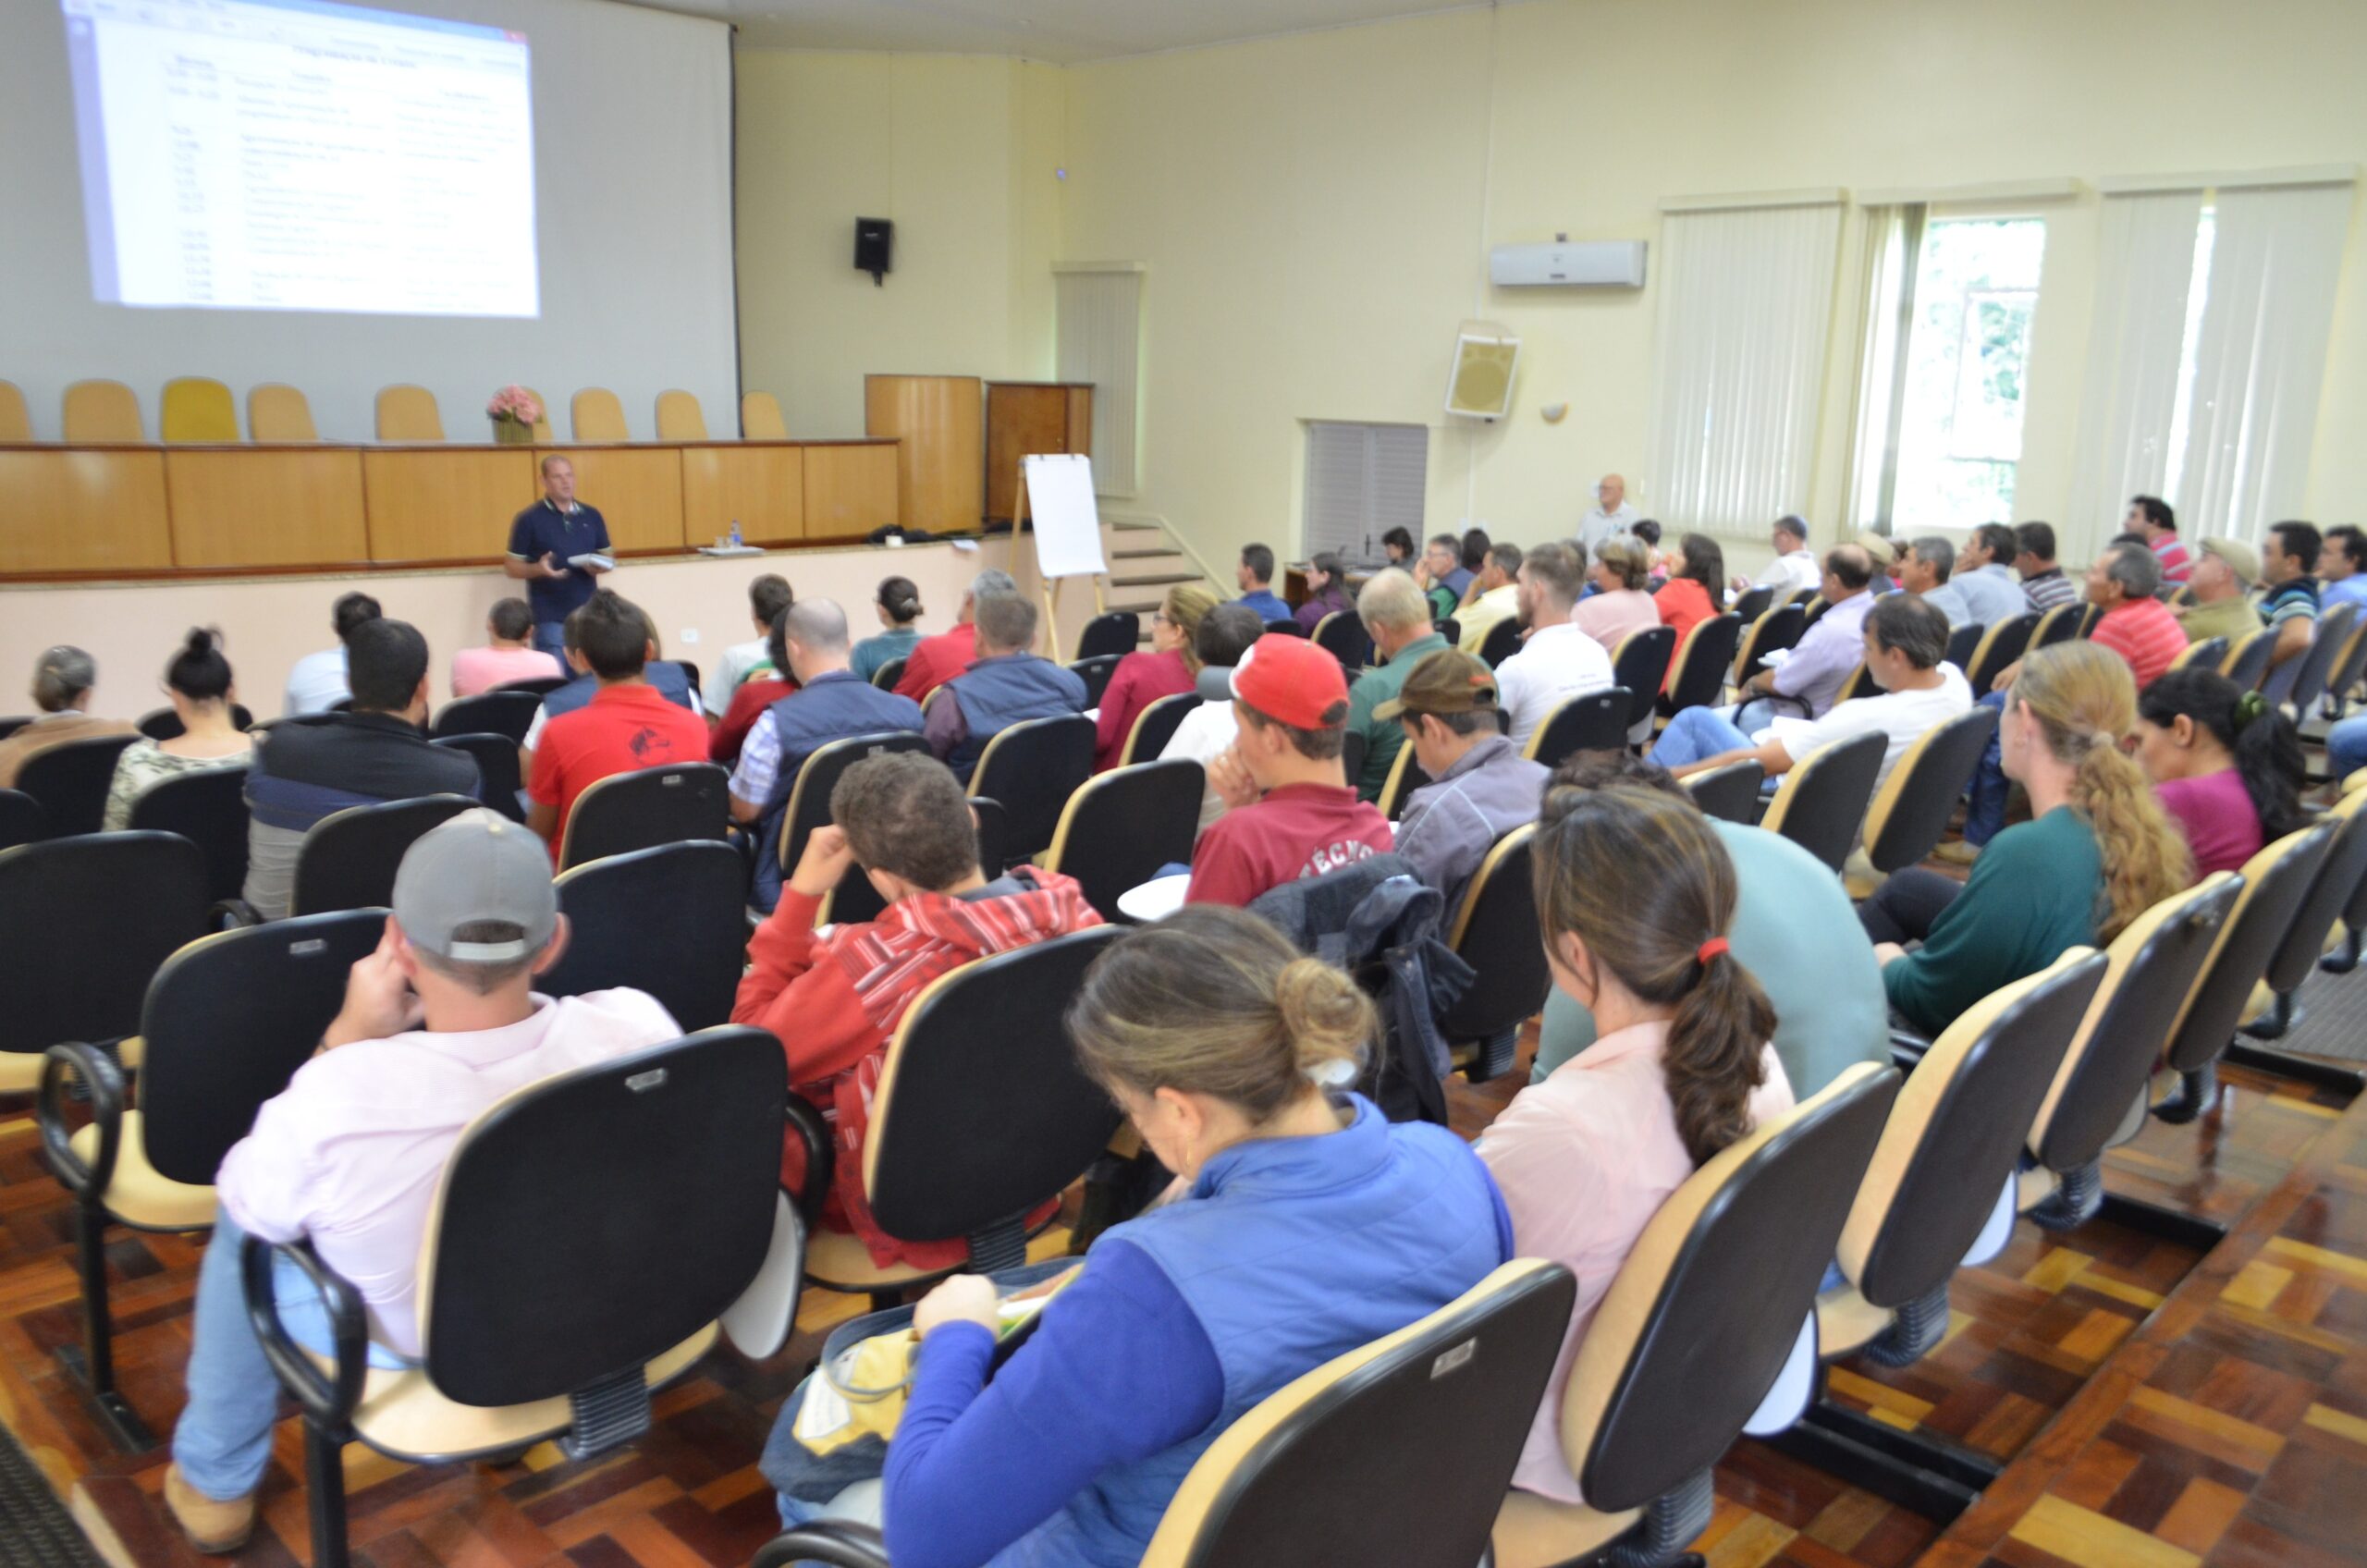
<point x="2170" y="550"/>
<point x="2144" y="632"/>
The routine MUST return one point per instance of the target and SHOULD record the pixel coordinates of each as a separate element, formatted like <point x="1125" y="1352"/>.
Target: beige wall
<point x="1315" y="211"/>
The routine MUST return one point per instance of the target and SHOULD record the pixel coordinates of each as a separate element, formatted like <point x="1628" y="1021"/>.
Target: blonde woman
<point x="2097" y="853"/>
<point x="1141" y="680"/>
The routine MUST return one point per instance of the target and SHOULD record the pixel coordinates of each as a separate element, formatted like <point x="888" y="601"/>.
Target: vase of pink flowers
<point x="514" y="412"/>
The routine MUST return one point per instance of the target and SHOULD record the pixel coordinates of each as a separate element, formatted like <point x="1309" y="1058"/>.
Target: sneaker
<point x="1956" y="851"/>
<point x="216" y="1529"/>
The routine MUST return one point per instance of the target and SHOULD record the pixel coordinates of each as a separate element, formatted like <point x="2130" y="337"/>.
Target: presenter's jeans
<point x="550" y="637"/>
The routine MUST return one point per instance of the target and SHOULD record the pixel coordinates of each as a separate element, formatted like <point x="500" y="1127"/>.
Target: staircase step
<point x="1155" y="579"/>
<point x="1131" y="526"/>
<point x="1146" y="609"/>
<point x="1143" y="555"/>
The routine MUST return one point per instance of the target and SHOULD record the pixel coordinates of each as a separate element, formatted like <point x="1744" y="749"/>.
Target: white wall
<point x="633" y="129"/>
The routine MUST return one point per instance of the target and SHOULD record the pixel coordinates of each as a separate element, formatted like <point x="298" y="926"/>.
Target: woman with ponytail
<point x="2097" y="853"/>
<point x="1300" y="1226"/>
<point x="1634" y="896"/>
<point x="2225" y="765"/>
<point x="198" y="682"/>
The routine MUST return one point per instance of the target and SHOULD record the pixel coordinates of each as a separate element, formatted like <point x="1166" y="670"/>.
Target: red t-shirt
<point x="621" y="729"/>
<point x="1140" y="680"/>
<point x="2144" y="632"/>
<point x="936" y="660"/>
<point x="748" y="704"/>
<point x="1297" y="830"/>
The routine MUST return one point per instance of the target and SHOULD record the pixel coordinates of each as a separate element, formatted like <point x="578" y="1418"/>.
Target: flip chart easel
<point x="1055" y="490"/>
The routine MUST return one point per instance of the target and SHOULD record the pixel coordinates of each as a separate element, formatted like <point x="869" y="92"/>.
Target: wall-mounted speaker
<point x="873" y="240"/>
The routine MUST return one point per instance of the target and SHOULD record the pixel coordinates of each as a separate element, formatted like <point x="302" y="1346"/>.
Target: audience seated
<point x="64" y="677"/>
<point x="1287" y="812"/>
<point x="1793" y="929"/>
<point x="1207" y="732"/>
<point x="2097" y="851"/>
<point x="1794" y="567"/>
<point x="628" y="723"/>
<point x="670" y="680"/>
<point x="1812" y="674"/>
<point x="936" y="660"/>
<point x="1883" y="551"/>
<point x="1634" y="896"/>
<point x="768" y="597"/>
<point x="2045" y="584"/>
<point x="1619" y="607"/>
<point x="2221" y="583"/>
<point x="1696" y="593"/>
<point x="2339" y="576"/>
<point x="1327" y="592"/>
<point x="2288" y="565"/>
<point x="1924" y="570"/>
<point x="1303" y="1226"/>
<point x="1441" y="576"/>
<point x="1007" y="683"/>
<point x="1483" y="786"/>
<point x="2225" y="765"/>
<point x="1397" y="617"/>
<point x="1556" y="660"/>
<point x="898" y="605"/>
<point x="1647" y="532"/>
<point x="438" y="1024"/>
<point x="1906" y="652"/>
<point x="1398" y="546"/>
<point x="1494" y="595"/>
<point x="508" y="654"/>
<point x="835" y="997"/>
<point x="767" y="685"/>
<point x="1255" y="573"/>
<point x="1984" y="575"/>
<point x="316" y="682"/>
<point x="831" y="703"/>
<point x="1140" y="680"/>
<point x="1473" y="547"/>
<point x="305" y="770"/>
<point x="2150" y="518"/>
<point x="198" y="682"/>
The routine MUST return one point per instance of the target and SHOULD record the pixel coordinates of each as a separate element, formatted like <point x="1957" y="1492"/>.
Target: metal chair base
<point x="2276" y="1023"/>
<point x="2301" y="1069"/>
<point x="2196" y="1093"/>
<point x="2344" y="959"/>
<point x="2165" y="1224"/>
<point x="1924" y="1474"/>
<point x="110" y="1409"/>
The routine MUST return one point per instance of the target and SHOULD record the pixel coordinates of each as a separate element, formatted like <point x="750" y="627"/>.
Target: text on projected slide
<point x="300" y="155"/>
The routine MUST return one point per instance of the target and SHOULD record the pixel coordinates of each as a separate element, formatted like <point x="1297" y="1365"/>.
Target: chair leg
<point x="1915" y="1329"/>
<point x="998" y="1247"/>
<point x="2276" y="1024"/>
<point x="2197" y="1092"/>
<point x="1671" y="1522"/>
<point x="1495" y="1058"/>
<point x="92" y="1362"/>
<point x="325" y="1496"/>
<point x="2344" y="960"/>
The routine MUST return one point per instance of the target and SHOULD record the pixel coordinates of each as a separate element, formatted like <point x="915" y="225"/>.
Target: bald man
<point x="1612" y="517"/>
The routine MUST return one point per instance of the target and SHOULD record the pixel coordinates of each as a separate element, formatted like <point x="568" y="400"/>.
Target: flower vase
<point x="513" y="433"/>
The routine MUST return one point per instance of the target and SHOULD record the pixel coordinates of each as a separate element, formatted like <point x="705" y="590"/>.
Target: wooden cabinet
<point x="938" y="420"/>
<point x="1028" y="418"/>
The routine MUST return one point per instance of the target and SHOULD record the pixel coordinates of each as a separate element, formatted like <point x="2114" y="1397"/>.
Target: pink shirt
<point x="481" y="670"/>
<point x="351" y="1152"/>
<point x="1609" y="619"/>
<point x="1584" y="1160"/>
<point x="2216" y="813"/>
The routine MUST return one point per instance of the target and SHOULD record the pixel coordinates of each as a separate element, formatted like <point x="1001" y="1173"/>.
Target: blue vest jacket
<point x="831" y="708"/>
<point x="665" y="674"/>
<point x="1290" y="1252"/>
<point x="999" y="692"/>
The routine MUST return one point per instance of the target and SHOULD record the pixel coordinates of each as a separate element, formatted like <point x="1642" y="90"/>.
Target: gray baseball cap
<point x="476" y="867"/>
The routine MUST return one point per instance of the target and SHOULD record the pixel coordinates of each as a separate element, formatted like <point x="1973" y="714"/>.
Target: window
<point x="1362" y="481"/>
<point x="1097" y="327"/>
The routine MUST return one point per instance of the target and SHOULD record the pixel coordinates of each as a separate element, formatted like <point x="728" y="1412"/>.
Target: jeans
<point x="1984" y="815"/>
<point x="2347" y="747"/>
<point x="550" y="637"/>
<point x="1696" y="735"/>
<point x="223" y="1440"/>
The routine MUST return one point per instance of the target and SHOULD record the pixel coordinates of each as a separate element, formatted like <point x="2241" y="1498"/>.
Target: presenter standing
<point x="543" y="541"/>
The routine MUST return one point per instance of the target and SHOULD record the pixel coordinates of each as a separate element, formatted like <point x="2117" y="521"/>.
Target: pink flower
<point x="515" y="403"/>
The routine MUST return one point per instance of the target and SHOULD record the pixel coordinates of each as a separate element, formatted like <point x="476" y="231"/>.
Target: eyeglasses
<point x="1159" y="617"/>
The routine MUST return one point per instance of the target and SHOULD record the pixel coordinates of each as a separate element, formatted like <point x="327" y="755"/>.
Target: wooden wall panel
<point x="760" y="483"/>
<point x="266" y="507"/>
<point x="83" y="510"/>
<point x="849" y="490"/>
<point x="439" y="504"/>
<point x="1031" y="417"/>
<point x="638" y="489"/>
<point x="941" y="420"/>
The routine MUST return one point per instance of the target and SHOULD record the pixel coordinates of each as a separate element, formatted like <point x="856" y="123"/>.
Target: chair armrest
<point x="835" y="1542"/>
<point x="807" y="1124"/>
<point x="327" y="1399"/>
<point x="232" y="914"/>
<point x="101" y="1076"/>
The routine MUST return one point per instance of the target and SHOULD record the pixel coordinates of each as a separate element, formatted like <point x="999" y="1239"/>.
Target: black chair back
<point x="809" y="798"/>
<point x="887" y="674"/>
<point x="2348" y="666"/>
<point x="671" y="921"/>
<point x="2060" y="624"/>
<point x="165" y="724"/>
<point x="2276" y="881"/>
<point x="1113" y="632"/>
<point x="208" y="807"/>
<point x="1914" y="802"/>
<point x="85" y="923"/>
<point x="690" y="674"/>
<point x="21" y="819"/>
<point x="1450" y="628"/>
<point x="1964" y="642"/>
<point x="982" y="1111"/>
<point x="1502" y="642"/>
<point x="1824" y="797"/>
<point x="1032" y="767"/>
<point x="1755" y="602"/>
<point x="1287" y="626"/>
<point x="1496" y="932"/>
<point x="1779" y="628"/>
<point x="538" y="688"/>
<point x="2339" y="876"/>
<point x="646" y="807"/>
<point x="1701" y="664"/>
<point x="2000" y="645"/>
<point x="994" y="831"/>
<point x="226" y="1023"/>
<point x="1591" y="721"/>
<point x="1096" y="673"/>
<point x="501" y="712"/>
<point x="1119" y="828"/>
<point x="2208" y="654"/>
<point x="2247" y="666"/>
<point x="1342" y="635"/>
<point x="1352" y="757"/>
<point x="1729" y="793"/>
<point x="350" y="857"/>
<point x="71" y="780"/>
<point x="1640" y="665"/>
<point x="2331" y="640"/>
<point x="13" y="723"/>
<point x="1155" y="726"/>
<point x="592" y="1222"/>
<point x="497" y="777"/>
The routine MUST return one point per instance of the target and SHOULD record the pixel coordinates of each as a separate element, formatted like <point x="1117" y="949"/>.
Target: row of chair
<point x="200" y="410"/>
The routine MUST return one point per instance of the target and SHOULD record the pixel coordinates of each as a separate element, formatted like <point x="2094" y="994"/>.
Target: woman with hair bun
<point x="2225" y="763"/>
<point x="198" y="682"/>
<point x="897" y="604"/>
<point x="1303" y="1225"/>
<point x="1635" y="894"/>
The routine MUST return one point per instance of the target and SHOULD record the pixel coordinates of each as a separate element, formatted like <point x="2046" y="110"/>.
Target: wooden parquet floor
<point x="2273" y="1447"/>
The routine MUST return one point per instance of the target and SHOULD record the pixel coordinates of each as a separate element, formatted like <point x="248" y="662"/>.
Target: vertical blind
<point x="1745" y="299"/>
<point x="2143" y="268"/>
<point x="1362" y="481"/>
<point x="1098" y="325"/>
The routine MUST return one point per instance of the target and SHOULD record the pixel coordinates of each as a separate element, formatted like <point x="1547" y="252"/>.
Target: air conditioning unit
<point x="1603" y="263"/>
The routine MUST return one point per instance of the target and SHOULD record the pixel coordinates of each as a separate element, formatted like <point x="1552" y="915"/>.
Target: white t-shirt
<point x="737" y="660"/>
<point x="314" y="682"/>
<point x="1799" y="570"/>
<point x="1904" y="717"/>
<point x="1557" y="662"/>
<point x="1204" y="736"/>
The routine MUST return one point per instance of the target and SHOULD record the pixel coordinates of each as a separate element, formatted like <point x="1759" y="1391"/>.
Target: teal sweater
<point x="2034" y="893"/>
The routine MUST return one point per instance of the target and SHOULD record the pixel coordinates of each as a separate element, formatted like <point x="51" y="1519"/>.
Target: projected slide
<point x="300" y="155"/>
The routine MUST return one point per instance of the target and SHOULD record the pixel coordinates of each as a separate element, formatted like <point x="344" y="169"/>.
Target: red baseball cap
<point x="1290" y="679"/>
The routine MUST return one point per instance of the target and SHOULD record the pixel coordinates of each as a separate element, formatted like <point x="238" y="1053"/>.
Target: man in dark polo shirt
<point x="307" y="769"/>
<point x="542" y="539"/>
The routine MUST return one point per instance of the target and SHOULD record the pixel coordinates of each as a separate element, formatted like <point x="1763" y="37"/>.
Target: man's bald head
<point x="1610" y="492"/>
<point x="814" y="635"/>
<point x="1850" y="566"/>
